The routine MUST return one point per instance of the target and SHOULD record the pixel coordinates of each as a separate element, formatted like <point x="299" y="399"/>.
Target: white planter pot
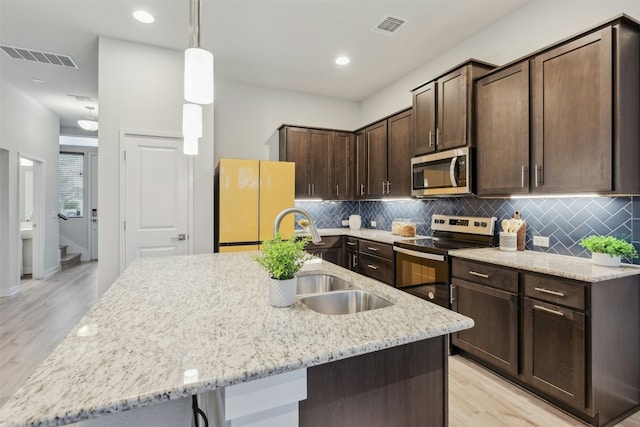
<point x="282" y="293"/>
<point x="605" y="259"/>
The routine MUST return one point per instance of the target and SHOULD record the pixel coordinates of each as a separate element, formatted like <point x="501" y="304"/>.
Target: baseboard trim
<point x="53" y="270"/>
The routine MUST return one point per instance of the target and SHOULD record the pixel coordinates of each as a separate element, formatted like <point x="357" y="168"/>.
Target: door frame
<point x="125" y="136"/>
<point x="38" y="217"/>
<point x="92" y="175"/>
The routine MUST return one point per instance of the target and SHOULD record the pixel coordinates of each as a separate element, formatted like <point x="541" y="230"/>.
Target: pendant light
<point x="198" y="82"/>
<point x="198" y="63"/>
<point x="191" y="127"/>
<point x="89" y="123"/>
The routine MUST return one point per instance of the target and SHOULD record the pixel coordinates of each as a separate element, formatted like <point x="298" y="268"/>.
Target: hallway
<point x="33" y="322"/>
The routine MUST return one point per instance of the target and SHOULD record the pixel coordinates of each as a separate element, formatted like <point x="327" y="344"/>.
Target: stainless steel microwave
<point x="446" y="173"/>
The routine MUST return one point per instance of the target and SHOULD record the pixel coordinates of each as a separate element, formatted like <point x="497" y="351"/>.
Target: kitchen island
<point x="207" y="317"/>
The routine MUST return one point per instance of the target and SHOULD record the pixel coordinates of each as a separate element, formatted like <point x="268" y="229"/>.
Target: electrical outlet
<point x="345" y="222"/>
<point x="373" y="224"/>
<point x="541" y="241"/>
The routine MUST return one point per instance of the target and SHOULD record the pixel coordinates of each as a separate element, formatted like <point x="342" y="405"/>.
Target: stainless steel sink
<point x="316" y="283"/>
<point x="344" y="302"/>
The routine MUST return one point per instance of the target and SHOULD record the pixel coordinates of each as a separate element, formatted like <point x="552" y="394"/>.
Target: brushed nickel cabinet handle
<point x="548" y="310"/>
<point x="430" y="138"/>
<point x="337" y="190"/>
<point x="372" y="249"/>
<point x="383" y="187"/>
<point x="362" y="189"/>
<point x="524" y="169"/>
<point x="351" y="243"/>
<point x="313" y="189"/>
<point x="308" y="189"/>
<point x="388" y="187"/>
<point x="354" y="260"/>
<point x="373" y="267"/>
<point x="475" y="273"/>
<point x="549" y="291"/>
<point x="437" y="137"/>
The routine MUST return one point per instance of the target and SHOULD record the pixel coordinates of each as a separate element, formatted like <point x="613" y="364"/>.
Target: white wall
<point x="141" y="89"/>
<point x="30" y="130"/>
<point x="247" y="117"/>
<point x="536" y="25"/>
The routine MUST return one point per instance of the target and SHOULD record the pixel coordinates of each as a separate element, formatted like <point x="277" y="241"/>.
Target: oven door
<point x="424" y="275"/>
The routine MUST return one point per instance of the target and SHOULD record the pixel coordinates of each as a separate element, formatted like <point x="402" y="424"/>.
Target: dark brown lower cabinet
<point x="400" y="386"/>
<point x="554" y="351"/>
<point x="330" y="249"/>
<point x="494" y="338"/>
<point x="352" y="254"/>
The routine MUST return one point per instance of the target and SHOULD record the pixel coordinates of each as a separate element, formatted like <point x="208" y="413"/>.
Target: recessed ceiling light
<point x="143" y="16"/>
<point x="342" y="60"/>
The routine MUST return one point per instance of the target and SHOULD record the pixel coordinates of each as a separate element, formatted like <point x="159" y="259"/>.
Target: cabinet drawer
<point x="377" y="268"/>
<point x="489" y="275"/>
<point x="352" y="243"/>
<point x="374" y="248"/>
<point x="326" y="243"/>
<point x="555" y="290"/>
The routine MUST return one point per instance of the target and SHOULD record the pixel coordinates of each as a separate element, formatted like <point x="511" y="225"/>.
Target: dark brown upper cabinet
<point x="383" y="154"/>
<point x="324" y="161"/>
<point x="581" y="114"/>
<point x="502" y="137"/>
<point x="443" y="109"/>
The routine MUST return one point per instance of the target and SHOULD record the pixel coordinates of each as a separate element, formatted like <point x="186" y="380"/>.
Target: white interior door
<point x="156" y="187"/>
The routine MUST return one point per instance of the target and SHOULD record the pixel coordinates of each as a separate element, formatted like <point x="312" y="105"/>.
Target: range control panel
<point x="464" y="224"/>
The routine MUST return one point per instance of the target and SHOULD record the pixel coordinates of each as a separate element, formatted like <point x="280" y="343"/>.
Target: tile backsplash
<point x="564" y="220"/>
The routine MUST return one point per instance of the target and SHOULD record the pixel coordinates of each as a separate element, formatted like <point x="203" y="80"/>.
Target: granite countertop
<point x="541" y="262"/>
<point x="166" y="316"/>
<point x="363" y="233"/>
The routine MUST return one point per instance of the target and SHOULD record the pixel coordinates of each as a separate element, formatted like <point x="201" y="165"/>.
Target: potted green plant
<point x="282" y="259"/>
<point x="608" y="250"/>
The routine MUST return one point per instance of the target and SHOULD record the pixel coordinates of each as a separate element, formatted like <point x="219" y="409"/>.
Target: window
<point x="71" y="185"/>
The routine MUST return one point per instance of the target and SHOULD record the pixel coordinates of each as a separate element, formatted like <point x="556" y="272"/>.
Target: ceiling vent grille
<point x="82" y="98"/>
<point x="37" y="56"/>
<point x="389" y="25"/>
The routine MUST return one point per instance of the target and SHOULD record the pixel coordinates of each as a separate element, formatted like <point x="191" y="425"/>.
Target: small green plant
<point x="609" y="245"/>
<point x="283" y="258"/>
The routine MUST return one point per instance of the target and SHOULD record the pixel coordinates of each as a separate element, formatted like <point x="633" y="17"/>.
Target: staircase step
<point x="63" y="250"/>
<point x="69" y="260"/>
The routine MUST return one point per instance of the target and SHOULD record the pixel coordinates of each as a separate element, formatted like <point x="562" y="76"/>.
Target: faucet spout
<point x="315" y="236"/>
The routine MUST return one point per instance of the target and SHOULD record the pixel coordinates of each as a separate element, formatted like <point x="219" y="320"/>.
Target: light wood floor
<point x="35" y="321"/>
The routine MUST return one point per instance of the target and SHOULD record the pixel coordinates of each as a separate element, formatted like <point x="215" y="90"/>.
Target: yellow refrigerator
<point x="249" y="194"/>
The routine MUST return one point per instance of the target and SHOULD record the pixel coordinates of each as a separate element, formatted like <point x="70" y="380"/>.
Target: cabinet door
<point x="321" y="163"/>
<point x="343" y="166"/>
<point x="297" y="151"/>
<point x="376" y="137"/>
<point x="572" y="116"/>
<point x="494" y="338"/>
<point x="452" y="110"/>
<point x="376" y="267"/>
<point x="361" y="165"/>
<point x="502" y="111"/>
<point x="399" y="148"/>
<point x="424" y="114"/>
<point x="554" y="351"/>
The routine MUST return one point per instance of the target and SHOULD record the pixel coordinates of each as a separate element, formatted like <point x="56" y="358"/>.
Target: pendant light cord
<point x="194" y="24"/>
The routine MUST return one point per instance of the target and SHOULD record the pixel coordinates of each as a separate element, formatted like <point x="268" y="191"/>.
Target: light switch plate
<point x="541" y="241"/>
<point x="373" y="224"/>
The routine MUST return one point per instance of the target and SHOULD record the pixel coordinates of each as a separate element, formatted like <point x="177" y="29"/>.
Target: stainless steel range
<point x="422" y="265"/>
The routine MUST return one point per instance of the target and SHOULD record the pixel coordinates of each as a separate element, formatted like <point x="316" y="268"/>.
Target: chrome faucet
<point x="315" y="236"/>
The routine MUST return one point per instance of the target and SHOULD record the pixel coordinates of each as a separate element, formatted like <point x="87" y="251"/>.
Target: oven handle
<point x="417" y="254"/>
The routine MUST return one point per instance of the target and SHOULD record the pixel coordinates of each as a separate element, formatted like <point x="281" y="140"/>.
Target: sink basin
<point x="344" y="302"/>
<point x="315" y="283"/>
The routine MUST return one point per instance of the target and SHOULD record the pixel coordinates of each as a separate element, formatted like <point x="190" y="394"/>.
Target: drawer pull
<point x="318" y="244"/>
<point x="548" y="291"/>
<point x="373" y="267"/>
<point x="351" y="243"/>
<point x="475" y="273"/>
<point x="372" y="249"/>
<point x="548" y="310"/>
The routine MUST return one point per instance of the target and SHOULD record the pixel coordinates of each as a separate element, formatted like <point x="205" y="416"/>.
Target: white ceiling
<point x="288" y="45"/>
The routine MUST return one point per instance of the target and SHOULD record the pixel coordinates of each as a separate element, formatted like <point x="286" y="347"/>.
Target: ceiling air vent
<point x="389" y="25"/>
<point x="37" y="56"/>
<point x="82" y="98"/>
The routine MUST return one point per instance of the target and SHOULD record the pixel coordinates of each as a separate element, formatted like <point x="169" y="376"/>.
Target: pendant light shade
<point x="198" y="75"/>
<point x="191" y="127"/>
<point x="91" y="125"/>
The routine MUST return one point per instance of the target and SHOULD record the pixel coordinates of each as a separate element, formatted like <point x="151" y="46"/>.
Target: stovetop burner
<point x="454" y="232"/>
